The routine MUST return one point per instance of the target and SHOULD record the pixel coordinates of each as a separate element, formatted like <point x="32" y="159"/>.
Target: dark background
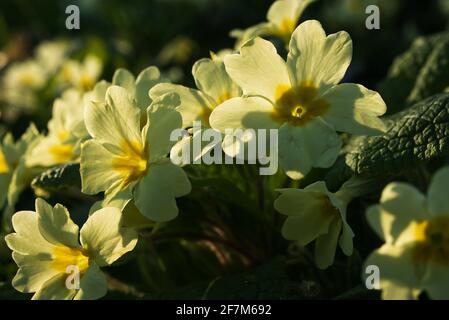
<point x="132" y="33"/>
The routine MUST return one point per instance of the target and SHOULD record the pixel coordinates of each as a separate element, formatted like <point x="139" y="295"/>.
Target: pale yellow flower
<point x="21" y="83"/>
<point x="315" y="214"/>
<point x="82" y="75"/>
<point x="301" y="97"/>
<point x="66" y="130"/>
<point x="48" y="248"/>
<point x="415" y="228"/>
<point x="15" y="176"/>
<point x="129" y="161"/>
<point x="282" y="19"/>
<point x="214" y="87"/>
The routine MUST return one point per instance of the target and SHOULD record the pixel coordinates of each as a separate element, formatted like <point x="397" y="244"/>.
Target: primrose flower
<point x="137" y="87"/>
<point x="140" y="86"/>
<point x="128" y="161"/>
<point x="315" y="214"/>
<point x="283" y="17"/>
<point x="415" y="228"/>
<point x="65" y="130"/>
<point x="48" y="248"/>
<point x="52" y="54"/>
<point x="215" y="87"/>
<point x="82" y="75"/>
<point x="300" y="97"/>
<point x="21" y="83"/>
<point x="14" y="175"/>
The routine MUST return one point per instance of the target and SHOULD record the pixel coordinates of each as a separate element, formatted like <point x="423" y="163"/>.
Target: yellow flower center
<point x="63" y="135"/>
<point x="298" y="105"/>
<point x="205" y="114"/>
<point x="67" y="71"/>
<point x="132" y="163"/>
<point x="285" y="29"/>
<point x="223" y="97"/>
<point x="27" y="80"/>
<point x="86" y="82"/>
<point x="65" y="256"/>
<point x="432" y="241"/>
<point x="327" y="208"/>
<point x="62" y="153"/>
<point x="4" y="168"/>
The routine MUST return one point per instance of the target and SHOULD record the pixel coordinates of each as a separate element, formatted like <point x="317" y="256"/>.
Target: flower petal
<point x="243" y="113"/>
<point x="195" y="105"/>
<point x="300" y="148"/>
<point x="97" y="173"/>
<point x="55" y="289"/>
<point x="93" y="284"/>
<point x="155" y="194"/>
<point x="284" y="15"/>
<point x="211" y="78"/>
<point x="162" y="120"/>
<point x="243" y="36"/>
<point x="146" y="80"/>
<point x="317" y="58"/>
<point x="346" y="239"/>
<point x="34" y="271"/>
<point x="104" y="238"/>
<point x="124" y="79"/>
<point x="396" y="266"/>
<point x="115" y="120"/>
<point x="258" y="69"/>
<point x="400" y="204"/>
<point x="55" y="224"/>
<point x="27" y="239"/>
<point x="355" y="109"/>
<point x="306" y="219"/>
<point x="438" y="200"/>
<point x="50" y="151"/>
<point x="326" y="245"/>
<point x="392" y="291"/>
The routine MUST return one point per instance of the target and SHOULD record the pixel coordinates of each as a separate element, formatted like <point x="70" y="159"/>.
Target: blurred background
<point x="173" y="34"/>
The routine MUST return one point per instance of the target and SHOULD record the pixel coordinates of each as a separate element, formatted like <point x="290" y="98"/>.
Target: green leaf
<point x="414" y="136"/>
<point x="418" y="73"/>
<point x="57" y="178"/>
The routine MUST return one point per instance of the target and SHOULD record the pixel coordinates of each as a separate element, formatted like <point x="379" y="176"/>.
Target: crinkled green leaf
<point x="414" y="136"/>
<point x="57" y="178"/>
<point x="418" y="73"/>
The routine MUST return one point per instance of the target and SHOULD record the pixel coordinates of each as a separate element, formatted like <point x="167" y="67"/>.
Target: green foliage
<point x="58" y="178"/>
<point x="414" y="137"/>
<point x="418" y="73"/>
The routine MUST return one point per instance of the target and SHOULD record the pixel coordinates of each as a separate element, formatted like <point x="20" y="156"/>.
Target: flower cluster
<point x="119" y="132"/>
<point x="48" y="73"/>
